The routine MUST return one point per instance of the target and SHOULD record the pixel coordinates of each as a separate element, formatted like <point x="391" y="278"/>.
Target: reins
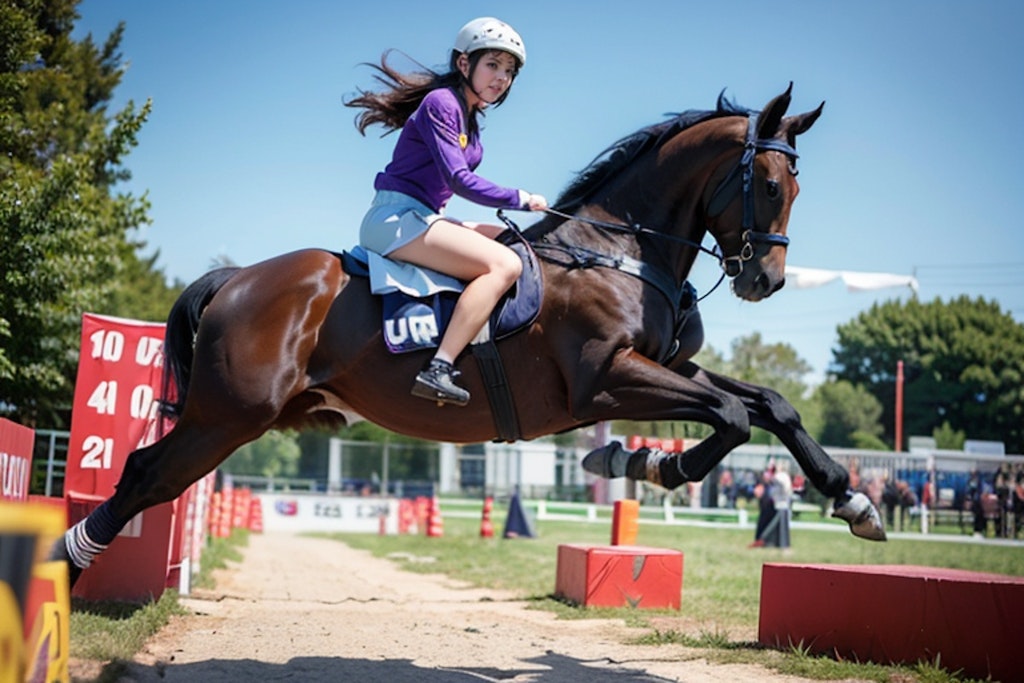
<point x="636" y="230"/>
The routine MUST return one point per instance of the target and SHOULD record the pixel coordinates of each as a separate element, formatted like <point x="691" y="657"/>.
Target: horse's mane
<point x="624" y="151"/>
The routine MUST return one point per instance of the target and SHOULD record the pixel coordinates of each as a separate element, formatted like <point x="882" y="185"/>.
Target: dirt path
<point x="308" y="609"/>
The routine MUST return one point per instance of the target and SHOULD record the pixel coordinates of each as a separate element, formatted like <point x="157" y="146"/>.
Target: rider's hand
<point x="532" y="202"/>
<point x="537" y="202"/>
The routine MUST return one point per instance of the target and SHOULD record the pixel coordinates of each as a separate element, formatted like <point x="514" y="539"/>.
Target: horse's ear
<point x="771" y="117"/>
<point x="722" y="104"/>
<point x="795" y="125"/>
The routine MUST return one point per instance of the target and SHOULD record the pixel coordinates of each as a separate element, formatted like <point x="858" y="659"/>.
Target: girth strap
<point x="499" y="393"/>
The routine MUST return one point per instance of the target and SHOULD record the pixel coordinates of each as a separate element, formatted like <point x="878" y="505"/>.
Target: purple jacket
<point x="433" y="159"/>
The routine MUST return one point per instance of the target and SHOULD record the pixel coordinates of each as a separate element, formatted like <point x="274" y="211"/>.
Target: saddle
<point x="417" y="305"/>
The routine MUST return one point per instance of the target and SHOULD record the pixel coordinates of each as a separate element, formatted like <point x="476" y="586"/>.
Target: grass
<point x="113" y="632"/>
<point x="116" y="630"/>
<point x="721" y="588"/>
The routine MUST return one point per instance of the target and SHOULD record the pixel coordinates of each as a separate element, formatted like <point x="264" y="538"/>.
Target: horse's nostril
<point x="763" y="283"/>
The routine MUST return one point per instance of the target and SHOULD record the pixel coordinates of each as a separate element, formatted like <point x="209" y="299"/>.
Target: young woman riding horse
<point x="437" y="152"/>
<point x="295" y="339"/>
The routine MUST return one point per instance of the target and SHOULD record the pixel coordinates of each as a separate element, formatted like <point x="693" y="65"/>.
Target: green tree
<point x="948" y="438"/>
<point x="777" y="366"/>
<point x="850" y="415"/>
<point x="141" y="291"/>
<point x="275" y="454"/>
<point x="63" y="226"/>
<point x="963" y="364"/>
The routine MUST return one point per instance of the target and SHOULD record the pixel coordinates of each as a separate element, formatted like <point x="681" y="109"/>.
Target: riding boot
<point x="437" y="383"/>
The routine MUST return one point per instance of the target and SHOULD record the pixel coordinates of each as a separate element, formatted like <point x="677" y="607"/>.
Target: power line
<point x="970" y="266"/>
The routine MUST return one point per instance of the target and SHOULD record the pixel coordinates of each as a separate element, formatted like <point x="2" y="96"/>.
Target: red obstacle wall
<point x="115" y="412"/>
<point x="619" y="576"/>
<point x="897" y="613"/>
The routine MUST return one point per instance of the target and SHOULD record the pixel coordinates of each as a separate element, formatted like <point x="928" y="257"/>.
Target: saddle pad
<point x="388" y="276"/>
<point x="412" y="321"/>
<point x="411" y="324"/>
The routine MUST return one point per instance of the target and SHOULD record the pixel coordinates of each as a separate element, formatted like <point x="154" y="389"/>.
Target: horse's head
<point x="748" y="201"/>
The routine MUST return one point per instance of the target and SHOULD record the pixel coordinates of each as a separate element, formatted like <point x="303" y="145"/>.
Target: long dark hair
<point x="402" y="93"/>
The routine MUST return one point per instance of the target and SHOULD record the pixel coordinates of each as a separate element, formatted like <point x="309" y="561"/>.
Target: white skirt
<point x="393" y="220"/>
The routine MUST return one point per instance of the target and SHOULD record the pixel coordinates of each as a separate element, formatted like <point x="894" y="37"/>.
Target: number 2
<point x="99" y="453"/>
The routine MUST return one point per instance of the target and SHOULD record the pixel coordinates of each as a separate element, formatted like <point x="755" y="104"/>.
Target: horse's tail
<point x="179" y="338"/>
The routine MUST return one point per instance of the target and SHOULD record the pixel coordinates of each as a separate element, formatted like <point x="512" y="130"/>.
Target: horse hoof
<point x="608" y="461"/>
<point x="862" y="516"/>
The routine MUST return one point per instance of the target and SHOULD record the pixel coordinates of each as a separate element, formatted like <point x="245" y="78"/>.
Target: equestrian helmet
<point x="488" y="33"/>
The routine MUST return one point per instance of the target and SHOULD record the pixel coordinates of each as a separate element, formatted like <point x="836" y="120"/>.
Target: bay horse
<point x="296" y="339"/>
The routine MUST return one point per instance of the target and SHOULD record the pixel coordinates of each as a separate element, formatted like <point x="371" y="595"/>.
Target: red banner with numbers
<point x="116" y="400"/>
<point x="15" y="460"/>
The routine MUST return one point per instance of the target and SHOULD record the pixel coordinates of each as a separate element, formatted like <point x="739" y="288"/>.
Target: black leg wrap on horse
<point x="671" y="472"/>
<point x="101" y="525"/>
<point x="87" y="539"/>
<point x="644" y="464"/>
<point x="608" y="462"/>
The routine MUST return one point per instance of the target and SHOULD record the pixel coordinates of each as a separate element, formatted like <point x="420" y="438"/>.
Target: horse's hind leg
<point x="155" y="474"/>
<point x="252" y="348"/>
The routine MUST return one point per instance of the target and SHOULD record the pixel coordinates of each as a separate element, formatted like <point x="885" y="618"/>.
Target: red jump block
<point x="619" y="576"/>
<point x="897" y="614"/>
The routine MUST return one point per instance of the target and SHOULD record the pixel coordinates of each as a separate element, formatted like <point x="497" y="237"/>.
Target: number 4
<point x="104" y="398"/>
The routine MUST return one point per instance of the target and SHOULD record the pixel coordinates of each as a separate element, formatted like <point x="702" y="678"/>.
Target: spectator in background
<point x="1018" y="502"/>
<point x="907" y="499"/>
<point x="890" y="501"/>
<point x="773" y="521"/>
<point x="975" y="493"/>
<point x="782" y="486"/>
<point x="1002" y="484"/>
<point x="727" y="486"/>
<point x="766" y="507"/>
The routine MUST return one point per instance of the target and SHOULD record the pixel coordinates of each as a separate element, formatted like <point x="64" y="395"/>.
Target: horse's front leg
<point x="635" y="388"/>
<point x="768" y="410"/>
<point x="763" y="408"/>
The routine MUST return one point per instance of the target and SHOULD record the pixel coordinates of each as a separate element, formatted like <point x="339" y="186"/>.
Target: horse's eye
<point x="772" y="187"/>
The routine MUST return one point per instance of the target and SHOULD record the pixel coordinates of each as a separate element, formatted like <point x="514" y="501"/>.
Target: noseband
<point x="744" y="170"/>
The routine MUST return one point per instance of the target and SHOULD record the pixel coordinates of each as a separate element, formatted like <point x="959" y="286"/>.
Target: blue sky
<point x="914" y="167"/>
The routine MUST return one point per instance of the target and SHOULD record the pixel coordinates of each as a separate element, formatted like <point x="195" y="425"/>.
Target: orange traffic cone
<point x="255" y="515"/>
<point x="214" y="513"/>
<point x="406" y="517"/>
<point x="422" y="506"/>
<point x="240" y="506"/>
<point x="435" y="525"/>
<point x="486" y="526"/>
<point x="226" y="513"/>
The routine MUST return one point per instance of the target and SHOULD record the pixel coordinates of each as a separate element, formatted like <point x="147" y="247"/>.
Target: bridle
<point x="744" y="170"/>
<point x="741" y="178"/>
